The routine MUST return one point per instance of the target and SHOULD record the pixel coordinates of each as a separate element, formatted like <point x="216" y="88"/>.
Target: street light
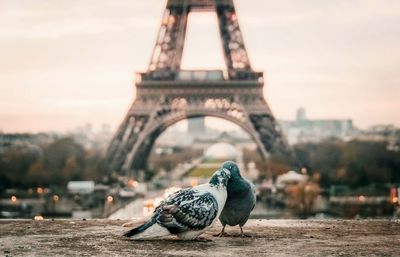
<point x="132" y="183"/>
<point x="110" y="199"/>
<point x="38" y="217"/>
<point x="394" y="195"/>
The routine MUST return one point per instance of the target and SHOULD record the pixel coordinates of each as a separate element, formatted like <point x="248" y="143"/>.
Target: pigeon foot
<point x="245" y="235"/>
<point x="221" y="234"/>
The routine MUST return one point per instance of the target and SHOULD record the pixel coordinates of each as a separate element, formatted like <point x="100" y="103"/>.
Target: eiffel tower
<point x="167" y="94"/>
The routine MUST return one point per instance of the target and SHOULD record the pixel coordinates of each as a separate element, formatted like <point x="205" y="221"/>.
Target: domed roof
<point x="290" y="177"/>
<point x="221" y="151"/>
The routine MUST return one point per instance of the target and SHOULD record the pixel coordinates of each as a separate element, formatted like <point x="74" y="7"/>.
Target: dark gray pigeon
<point x="241" y="200"/>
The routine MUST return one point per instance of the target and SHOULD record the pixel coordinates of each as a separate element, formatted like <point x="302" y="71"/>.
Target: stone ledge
<point x="269" y="238"/>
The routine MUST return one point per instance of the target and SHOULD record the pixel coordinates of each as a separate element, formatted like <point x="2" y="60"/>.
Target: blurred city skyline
<point x="64" y="64"/>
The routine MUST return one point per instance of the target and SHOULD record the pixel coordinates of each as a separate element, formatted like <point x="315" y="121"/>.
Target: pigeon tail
<point x="149" y="230"/>
<point x="140" y="229"/>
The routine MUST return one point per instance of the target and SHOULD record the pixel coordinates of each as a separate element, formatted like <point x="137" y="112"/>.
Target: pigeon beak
<point x="227" y="172"/>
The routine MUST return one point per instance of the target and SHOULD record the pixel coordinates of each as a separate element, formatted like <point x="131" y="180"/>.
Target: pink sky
<point x="67" y="63"/>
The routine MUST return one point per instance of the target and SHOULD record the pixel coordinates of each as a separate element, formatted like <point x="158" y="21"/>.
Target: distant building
<point x="25" y="141"/>
<point x="80" y="187"/>
<point x="238" y="139"/>
<point x="221" y="151"/>
<point x="382" y="133"/>
<point x="196" y="125"/>
<point x="301" y="114"/>
<point x="87" y="137"/>
<point x="199" y="136"/>
<point x="306" y="130"/>
<point x="90" y="138"/>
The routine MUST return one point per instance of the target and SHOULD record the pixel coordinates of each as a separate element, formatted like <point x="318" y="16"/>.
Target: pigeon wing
<point x="187" y="210"/>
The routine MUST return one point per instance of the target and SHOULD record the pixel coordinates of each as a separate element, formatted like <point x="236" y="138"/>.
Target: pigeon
<point x="186" y="213"/>
<point x="241" y="200"/>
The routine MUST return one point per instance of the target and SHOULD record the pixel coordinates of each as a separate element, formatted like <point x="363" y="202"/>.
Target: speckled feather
<point x="185" y="210"/>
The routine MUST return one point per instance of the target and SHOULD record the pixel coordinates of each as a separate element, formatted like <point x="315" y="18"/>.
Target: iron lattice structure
<point x="167" y="94"/>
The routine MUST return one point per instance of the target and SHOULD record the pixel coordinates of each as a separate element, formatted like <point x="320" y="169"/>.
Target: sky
<point x="66" y="63"/>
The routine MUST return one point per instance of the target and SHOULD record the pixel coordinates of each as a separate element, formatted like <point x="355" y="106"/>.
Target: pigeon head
<point x="220" y="178"/>
<point x="233" y="168"/>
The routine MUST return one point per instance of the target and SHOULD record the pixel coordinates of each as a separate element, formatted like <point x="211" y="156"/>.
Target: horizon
<point x="65" y="65"/>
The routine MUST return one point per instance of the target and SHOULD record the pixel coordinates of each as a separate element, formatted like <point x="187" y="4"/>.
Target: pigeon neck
<point x="219" y="181"/>
<point x="236" y="175"/>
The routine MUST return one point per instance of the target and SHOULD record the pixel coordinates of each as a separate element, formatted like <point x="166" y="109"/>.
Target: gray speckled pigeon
<point x="188" y="212"/>
<point x="241" y="200"/>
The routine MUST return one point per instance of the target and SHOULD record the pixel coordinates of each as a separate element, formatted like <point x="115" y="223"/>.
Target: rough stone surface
<point x="269" y="238"/>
